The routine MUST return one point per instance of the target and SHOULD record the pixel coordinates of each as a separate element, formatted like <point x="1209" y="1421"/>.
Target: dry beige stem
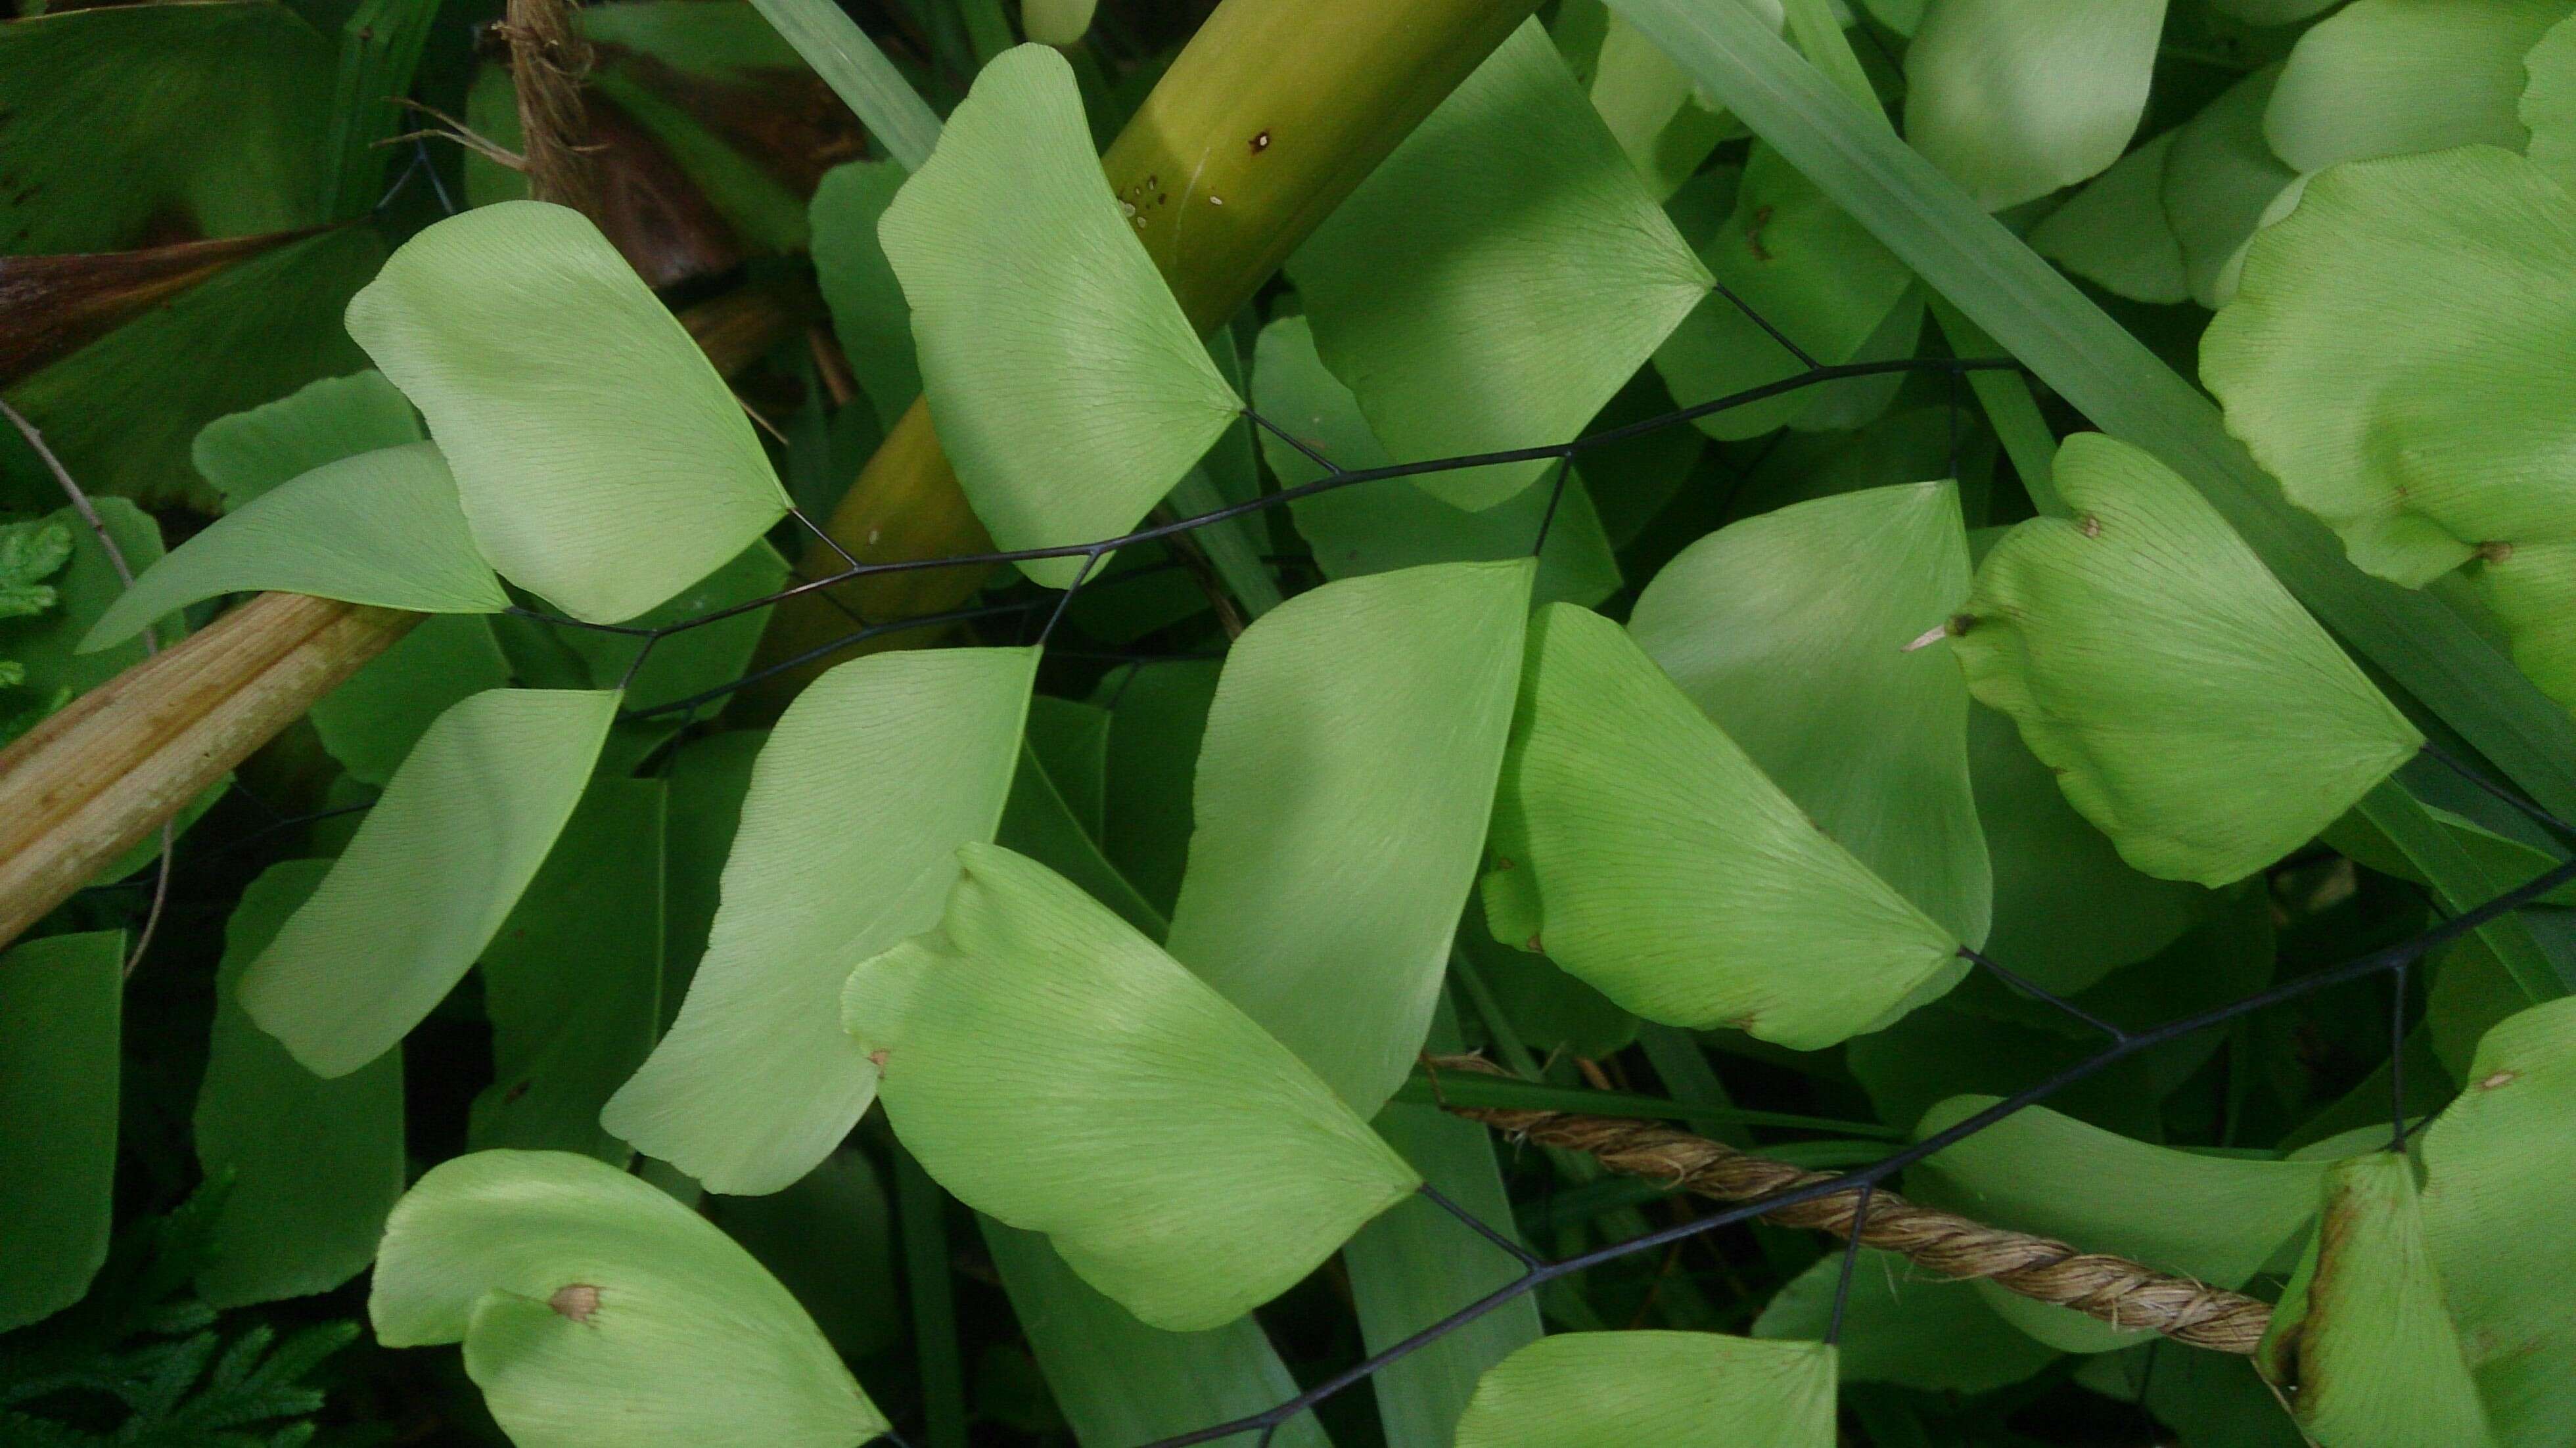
<point x="2114" y="1290"/>
<point x="86" y="784"/>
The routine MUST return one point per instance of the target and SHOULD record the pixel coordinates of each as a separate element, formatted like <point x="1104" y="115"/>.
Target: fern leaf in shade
<point x="2016" y="98"/>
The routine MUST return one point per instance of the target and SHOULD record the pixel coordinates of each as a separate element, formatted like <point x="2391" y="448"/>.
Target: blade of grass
<point x="859" y="74"/>
<point x="2019" y="298"/>
<point x="987" y="29"/>
<point x="920" y="1206"/>
<point x="2012" y="409"/>
<point x="2461" y="883"/>
<point x="1684" y="1067"/>
<point x="380" y="47"/>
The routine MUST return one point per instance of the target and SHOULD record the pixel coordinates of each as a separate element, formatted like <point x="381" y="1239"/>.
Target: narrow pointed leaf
<point x="869" y="783"/>
<point x="605" y="488"/>
<point x="1790" y="631"/>
<point x="2192" y="710"/>
<point x="1069" y="390"/>
<point x="2362" y="1332"/>
<point x="594" y="1308"/>
<point x="247" y="453"/>
<point x="1343" y="790"/>
<point x="60" y="1009"/>
<point x="1683" y="1389"/>
<point x="1053" y="1068"/>
<point x="310" y="1167"/>
<point x="859" y="74"/>
<point x="1643" y="851"/>
<point x="2424" y="443"/>
<point x="381" y="528"/>
<point x="2395" y="77"/>
<point x="2016" y="98"/>
<point x="431" y="875"/>
<point x="1538" y="275"/>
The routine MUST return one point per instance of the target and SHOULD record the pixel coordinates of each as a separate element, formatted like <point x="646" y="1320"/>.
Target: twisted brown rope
<point x="2114" y="1290"/>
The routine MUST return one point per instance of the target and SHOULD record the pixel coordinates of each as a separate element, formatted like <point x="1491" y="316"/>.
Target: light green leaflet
<point x="2215" y="1218"/>
<point x="2191" y="709"/>
<point x="248" y="453"/>
<point x="868" y="311"/>
<point x="1498" y="277"/>
<point x="1802" y="264"/>
<point x="1069" y="390"/>
<point x="432" y="873"/>
<point x="1343" y="792"/>
<point x="594" y="1308"/>
<point x="310" y="1167"/>
<point x="1790" y="631"/>
<point x="2548" y="105"/>
<point x="605" y="488"/>
<point x="573" y="983"/>
<point x="1901" y="1326"/>
<point x="2393" y="77"/>
<point x="60" y="1008"/>
<point x="1392" y="523"/>
<point x="1121" y="1383"/>
<point x="869" y="783"/>
<point x="2361" y="1331"/>
<point x="1671" y="1389"/>
<point x="2016" y="98"/>
<point x="1343" y="788"/>
<point x="2114" y="231"/>
<point x="1053" y="1068"/>
<point x="1644" y="852"/>
<point x="2499" y="1195"/>
<point x="2531" y="591"/>
<point x="371" y="721"/>
<point x="381" y="528"/>
<point x="2422" y="443"/>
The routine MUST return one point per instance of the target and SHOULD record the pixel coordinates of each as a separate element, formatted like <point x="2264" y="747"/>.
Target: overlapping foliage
<point x="1586" y="620"/>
